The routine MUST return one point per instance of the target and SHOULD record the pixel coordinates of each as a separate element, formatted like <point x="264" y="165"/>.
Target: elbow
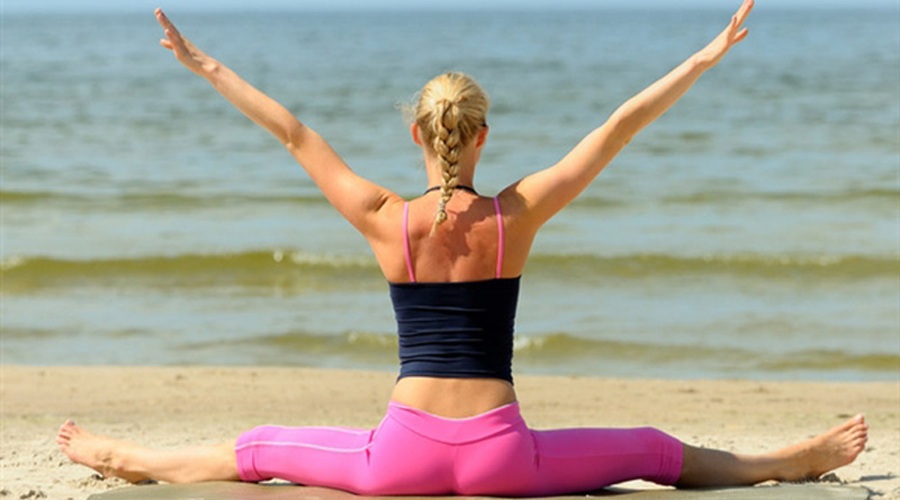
<point x="627" y="121"/>
<point x="294" y="137"/>
<point x="620" y="129"/>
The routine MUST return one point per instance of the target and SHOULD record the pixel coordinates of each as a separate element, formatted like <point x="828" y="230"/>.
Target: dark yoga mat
<point x="245" y="491"/>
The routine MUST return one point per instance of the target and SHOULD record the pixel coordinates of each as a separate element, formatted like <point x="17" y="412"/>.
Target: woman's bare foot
<point x="104" y="455"/>
<point x="828" y="451"/>
<point x="805" y="460"/>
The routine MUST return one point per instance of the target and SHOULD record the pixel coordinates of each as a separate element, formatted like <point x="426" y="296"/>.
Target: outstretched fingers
<point x="173" y="40"/>
<point x="186" y="53"/>
<point x="731" y="35"/>
<point x="164" y="21"/>
<point x="744" y="11"/>
<point x="737" y="22"/>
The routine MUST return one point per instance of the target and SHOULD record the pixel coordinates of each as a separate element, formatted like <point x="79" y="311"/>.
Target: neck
<point x="466" y="175"/>
<point x="464" y="188"/>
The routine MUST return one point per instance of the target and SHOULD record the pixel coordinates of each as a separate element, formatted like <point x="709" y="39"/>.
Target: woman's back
<point x="454" y="307"/>
<point x="467" y="247"/>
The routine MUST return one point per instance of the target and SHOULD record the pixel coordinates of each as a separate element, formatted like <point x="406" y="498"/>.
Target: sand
<point x="176" y="406"/>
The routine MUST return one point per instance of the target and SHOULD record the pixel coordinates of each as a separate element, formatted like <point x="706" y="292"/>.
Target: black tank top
<point x="456" y="330"/>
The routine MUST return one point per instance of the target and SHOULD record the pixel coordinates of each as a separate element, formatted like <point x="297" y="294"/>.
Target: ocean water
<point x="754" y="231"/>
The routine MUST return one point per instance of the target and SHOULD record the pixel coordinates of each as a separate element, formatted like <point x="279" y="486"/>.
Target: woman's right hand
<point x="186" y="53"/>
<point x="728" y="38"/>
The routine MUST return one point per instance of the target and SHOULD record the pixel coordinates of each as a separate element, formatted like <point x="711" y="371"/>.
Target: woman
<point x="453" y="259"/>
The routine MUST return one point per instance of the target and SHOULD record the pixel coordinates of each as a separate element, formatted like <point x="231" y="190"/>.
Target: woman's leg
<point x="805" y="460"/>
<point x="699" y="467"/>
<point x="135" y="463"/>
<point x="572" y="460"/>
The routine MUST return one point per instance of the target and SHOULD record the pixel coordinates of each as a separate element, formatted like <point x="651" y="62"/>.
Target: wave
<point x="280" y="268"/>
<point x="560" y="350"/>
<point x="555" y="353"/>
<point x="154" y="200"/>
<point x="178" y="199"/>
<point x="873" y="195"/>
<point x="296" y="268"/>
<point x="738" y="265"/>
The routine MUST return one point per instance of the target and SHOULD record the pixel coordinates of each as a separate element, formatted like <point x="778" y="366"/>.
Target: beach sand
<point x="177" y="406"/>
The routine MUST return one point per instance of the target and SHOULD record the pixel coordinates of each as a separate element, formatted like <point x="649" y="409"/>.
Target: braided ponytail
<point x="447" y="145"/>
<point x="450" y="112"/>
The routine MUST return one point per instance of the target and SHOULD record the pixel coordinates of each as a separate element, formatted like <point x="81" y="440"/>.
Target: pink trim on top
<point x="500" y="238"/>
<point x="407" y="254"/>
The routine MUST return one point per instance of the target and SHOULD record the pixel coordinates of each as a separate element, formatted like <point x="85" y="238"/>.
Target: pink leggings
<point x="416" y="453"/>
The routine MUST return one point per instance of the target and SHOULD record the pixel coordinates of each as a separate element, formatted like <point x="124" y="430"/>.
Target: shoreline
<point x="178" y="406"/>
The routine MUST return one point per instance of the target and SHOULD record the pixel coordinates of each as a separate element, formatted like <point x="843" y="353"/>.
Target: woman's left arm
<point x="546" y="192"/>
<point x="356" y="198"/>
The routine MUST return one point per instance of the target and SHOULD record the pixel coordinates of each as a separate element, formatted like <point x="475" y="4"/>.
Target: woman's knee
<point x="668" y="450"/>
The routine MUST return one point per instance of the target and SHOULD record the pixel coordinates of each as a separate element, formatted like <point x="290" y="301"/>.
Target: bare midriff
<point x="453" y="397"/>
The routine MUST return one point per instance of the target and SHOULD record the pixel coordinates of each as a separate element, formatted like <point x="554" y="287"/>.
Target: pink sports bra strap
<point x="406" y="252"/>
<point x="500" y="237"/>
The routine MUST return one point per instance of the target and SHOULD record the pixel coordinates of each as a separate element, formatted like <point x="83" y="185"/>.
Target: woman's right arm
<point x="356" y="198"/>
<point x="541" y="195"/>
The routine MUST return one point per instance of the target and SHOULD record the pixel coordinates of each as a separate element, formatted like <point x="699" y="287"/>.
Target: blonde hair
<point x="450" y="111"/>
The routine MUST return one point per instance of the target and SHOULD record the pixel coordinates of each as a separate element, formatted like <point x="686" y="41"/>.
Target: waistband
<point x="457" y="430"/>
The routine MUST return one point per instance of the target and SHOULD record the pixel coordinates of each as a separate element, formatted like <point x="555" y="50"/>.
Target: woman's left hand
<point x="186" y="53"/>
<point x="728" y="38"/>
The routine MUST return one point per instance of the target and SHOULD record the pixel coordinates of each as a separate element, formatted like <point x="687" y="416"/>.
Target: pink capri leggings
<point x="416" y="453"/>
